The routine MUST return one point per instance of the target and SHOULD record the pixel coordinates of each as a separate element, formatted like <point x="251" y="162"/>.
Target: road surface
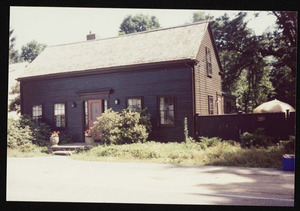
<point x="62" y="179"/>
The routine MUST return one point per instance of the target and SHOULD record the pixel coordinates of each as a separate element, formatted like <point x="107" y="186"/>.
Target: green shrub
<point x="289" y="145"/>
<point x="65" y="137"/>
<point x="19" y="136"/>
<point x="256" y="139"/>
<point x="124" y="127"/>
<point x="41" y="134"/>
<point x="23" y="134"/>
<point x="208" y="142"/>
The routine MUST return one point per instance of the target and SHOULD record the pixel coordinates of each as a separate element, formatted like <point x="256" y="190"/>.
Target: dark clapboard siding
<point x="147" y="82"/>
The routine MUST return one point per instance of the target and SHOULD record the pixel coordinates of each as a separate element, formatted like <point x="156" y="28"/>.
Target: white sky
<point x="54" y="25"/>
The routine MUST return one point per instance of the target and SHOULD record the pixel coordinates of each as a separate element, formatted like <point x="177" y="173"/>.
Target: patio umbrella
<point x="273" y="106"/>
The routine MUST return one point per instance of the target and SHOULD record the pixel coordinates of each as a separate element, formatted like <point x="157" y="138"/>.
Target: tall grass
<point x="214" y="152"/>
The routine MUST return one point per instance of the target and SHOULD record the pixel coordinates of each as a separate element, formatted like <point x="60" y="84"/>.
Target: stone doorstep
<point x="62" y="152"/>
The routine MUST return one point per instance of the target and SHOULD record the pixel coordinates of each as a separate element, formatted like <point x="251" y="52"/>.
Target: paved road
<point x="61" y="179"/>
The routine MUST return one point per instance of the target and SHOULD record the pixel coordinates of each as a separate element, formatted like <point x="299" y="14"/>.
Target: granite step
<point x="68" y="149"/>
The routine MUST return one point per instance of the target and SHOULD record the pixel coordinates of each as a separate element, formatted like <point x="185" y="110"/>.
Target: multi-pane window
<point x="60" y="115"/>
<point x="208" y="61"/>
<point x="37" y="114"/>
<point x="210" y="104"/>
<point x="134" y="103"/>
<point x="167" y="110"/>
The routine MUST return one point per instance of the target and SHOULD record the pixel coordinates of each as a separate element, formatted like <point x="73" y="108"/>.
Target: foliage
<point x="246" y="69"/>
<point x="124" y="127"/>
<point x="186" y="131"/>
<point x="215" y="152"/>
<point x="31" y="50"/>
<point x="19" y="136"/>
<point x="55" y="134"/>
<point x="289" y="145"/>
<point x="41" y="134"/>
<point x="281" y="44"/>
<point x="88" y="133"/>
<point x="65" y="137"/>
<point x="24" y="135"/>
<point x="13" y="53"/>
<point x="205" y="142"/>
<point x="138" y="23"/>
<point x="256" y="139"/>
<point x="15" y="104"/>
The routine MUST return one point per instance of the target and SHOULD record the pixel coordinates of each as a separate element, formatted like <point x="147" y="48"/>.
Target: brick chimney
<point x="91" y="36"/>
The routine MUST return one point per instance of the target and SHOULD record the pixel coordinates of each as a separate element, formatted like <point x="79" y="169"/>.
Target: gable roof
<point x="160" y="45"/>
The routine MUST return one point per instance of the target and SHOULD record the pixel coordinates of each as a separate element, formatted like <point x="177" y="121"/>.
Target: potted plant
<point x="89" y="140"/>
<point x="54" y="138"/>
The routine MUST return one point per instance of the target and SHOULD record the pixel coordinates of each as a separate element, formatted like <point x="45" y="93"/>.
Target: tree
<point x="13" y="53"/>
<point x="31" y="50"/>
<point x="245" y="68"/>
<point x="200" y="16"/>
<point x="281" y="44"/>
<point x="138" y="23"/>
<point x="15" y="103"/>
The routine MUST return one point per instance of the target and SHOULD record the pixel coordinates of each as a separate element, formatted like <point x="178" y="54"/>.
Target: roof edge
<point x="104" y="70"/>
<point x="132" y="34"/>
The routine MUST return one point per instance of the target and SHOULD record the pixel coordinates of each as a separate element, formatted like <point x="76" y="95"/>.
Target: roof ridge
<point x="135" y="33"/>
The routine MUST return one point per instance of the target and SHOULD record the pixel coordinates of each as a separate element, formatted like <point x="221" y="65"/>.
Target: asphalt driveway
<point x="61" y="179"/>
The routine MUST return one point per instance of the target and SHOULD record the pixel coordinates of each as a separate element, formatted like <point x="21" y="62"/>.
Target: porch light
<point x="117" y="101"/>
<point x="73" y="105"/>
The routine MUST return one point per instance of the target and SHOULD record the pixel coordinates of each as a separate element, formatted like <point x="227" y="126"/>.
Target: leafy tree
<point x="200" y="16"/>
<point x="138" y="23"/>
<point x="15" y="103"/>
<point x="31" y="50"/>
<point x="13" y="53"/>
<point x="281" y="44"/>
<point x="244" y="66"/>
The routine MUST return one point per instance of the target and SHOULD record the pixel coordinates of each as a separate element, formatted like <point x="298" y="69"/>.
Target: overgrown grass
<point x="35" y="152"/>
<point x="225" y="153"/>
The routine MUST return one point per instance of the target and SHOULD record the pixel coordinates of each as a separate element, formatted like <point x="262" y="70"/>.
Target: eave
<point x="107" y="70"/>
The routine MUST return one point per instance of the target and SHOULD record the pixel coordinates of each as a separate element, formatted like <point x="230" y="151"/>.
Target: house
<point x="15" y="71"/>
<point x="173" y="72"/>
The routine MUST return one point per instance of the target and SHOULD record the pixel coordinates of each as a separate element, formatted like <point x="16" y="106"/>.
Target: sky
<point x="61" y="25"/>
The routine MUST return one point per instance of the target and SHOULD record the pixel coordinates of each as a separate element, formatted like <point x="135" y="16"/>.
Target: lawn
<point x="223" y="153"/>
<point x="36" y="152"/>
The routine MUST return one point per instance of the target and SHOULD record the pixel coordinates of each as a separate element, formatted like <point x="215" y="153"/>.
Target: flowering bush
<point x="88" y="133"/>
<point x="55" y="133"/>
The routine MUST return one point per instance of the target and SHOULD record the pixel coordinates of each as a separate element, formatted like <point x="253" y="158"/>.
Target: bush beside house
<point x="123" y="127"/>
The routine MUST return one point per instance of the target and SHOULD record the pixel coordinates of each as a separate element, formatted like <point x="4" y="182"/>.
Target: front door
<point x="95" y="110"/>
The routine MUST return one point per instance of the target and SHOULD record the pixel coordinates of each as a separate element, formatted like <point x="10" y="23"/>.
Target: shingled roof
<point x="160" y="45"/>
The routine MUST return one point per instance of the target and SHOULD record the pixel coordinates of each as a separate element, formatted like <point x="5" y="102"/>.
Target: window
<point x="86" y="114"/>
<point x="59" y="115"/>
<point x="105" y="105"/>
<point x="134" y="103"/>
<point x="208" y="61"/>
<point x="37" y="114"/>
<point x="210" y="104"/>
<point x="167" y="110"/>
